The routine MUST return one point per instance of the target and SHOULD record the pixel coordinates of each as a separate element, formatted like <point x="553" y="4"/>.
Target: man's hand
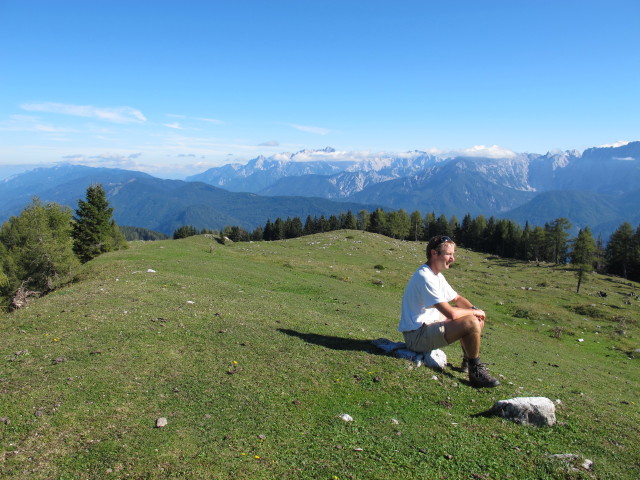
<point x="479" y="314"/>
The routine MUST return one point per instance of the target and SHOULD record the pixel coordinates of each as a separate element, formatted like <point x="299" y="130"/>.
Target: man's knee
<point x="462" y="327"/>
<point x="471" y="325"/>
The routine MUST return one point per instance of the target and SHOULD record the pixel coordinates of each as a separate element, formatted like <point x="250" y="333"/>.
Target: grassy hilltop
<point x="251" y="351"/>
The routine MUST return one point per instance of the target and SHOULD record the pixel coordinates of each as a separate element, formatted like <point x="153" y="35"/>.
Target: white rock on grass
<point x="574" y="462"/>
<point x="161" y="422"/>
<point x="538" y="411"/>
<point x="346" y="417"/>
<point x="436" y="359"/>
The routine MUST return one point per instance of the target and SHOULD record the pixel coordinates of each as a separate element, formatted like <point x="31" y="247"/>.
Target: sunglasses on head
<point x="442" y="240"/>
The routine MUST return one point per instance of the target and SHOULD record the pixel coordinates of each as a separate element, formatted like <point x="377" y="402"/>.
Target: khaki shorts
<point x="426" y="338"/>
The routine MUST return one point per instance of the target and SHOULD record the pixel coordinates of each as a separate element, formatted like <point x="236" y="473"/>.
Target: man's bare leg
<point x="468" y="330"/>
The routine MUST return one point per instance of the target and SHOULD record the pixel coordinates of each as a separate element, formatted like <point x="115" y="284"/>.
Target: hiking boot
<point x="464" y="366"/>
<point x="480" y="377"/>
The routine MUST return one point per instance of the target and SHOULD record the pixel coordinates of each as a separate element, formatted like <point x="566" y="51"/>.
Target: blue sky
<point x="174" y="87"/>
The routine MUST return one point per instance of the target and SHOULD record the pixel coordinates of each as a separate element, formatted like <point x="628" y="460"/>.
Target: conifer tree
<point x="258" y="234"/>
<point x="619" y="253"/>
<point x="525" y="243"/>
<point x="267" y="234"/>
<point x="334" y="223"/>
<point x="293" y="227"/>
<point x="442" y="226"/>
<point x="278" y="230"/>
<point x="477" y="232"/>
<point x="538" y="242"/>
<point x="416" y="225"/>
<point x="309" y="226"/>
<point x="350" y="222"/>
<point x="364" y="218"/>
<point x="464" y="237"/>
<point x="398" y="224"/>
<point x="378" y="221"/>
<point x="583" y="254"/>
<point x="430" y="226"/>
<point x="558" y="239"/>
<point x="93" y="228"/>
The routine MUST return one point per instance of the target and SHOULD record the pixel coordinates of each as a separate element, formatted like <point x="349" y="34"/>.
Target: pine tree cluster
<point x="40" y="248"/>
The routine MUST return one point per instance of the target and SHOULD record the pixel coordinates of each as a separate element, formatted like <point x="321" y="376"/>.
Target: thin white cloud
<point x="332" y="155"/>
<point x="109" y="114"/>
<point x="619" y="143"/>
<point x="310" y="129"/>
<point x="174" y="125"/>
<point x="359" y="156"/>
<point x="200" y="119"/>
<point x="494" y="151"/>
<point x="270" y="143"/>
<point x="107" y="160"/>
<point x="210" y="120"/>
<point x="28" y="123"/>
<point x="162" y="169"/>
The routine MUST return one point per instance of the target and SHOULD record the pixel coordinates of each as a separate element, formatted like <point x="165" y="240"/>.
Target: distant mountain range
<point x="141" y="200"/>
<point x="599" y="188"/>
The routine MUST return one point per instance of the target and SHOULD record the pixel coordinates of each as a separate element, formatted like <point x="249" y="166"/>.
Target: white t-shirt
<point x="423" y="291"/>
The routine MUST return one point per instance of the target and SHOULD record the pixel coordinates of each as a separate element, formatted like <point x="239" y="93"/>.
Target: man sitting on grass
<point x="428" y="320"/>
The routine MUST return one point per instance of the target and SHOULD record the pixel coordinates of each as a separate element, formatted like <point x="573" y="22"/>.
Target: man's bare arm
<point x="462" y="308"/>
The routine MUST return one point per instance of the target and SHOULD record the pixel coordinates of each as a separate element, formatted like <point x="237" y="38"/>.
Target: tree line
<point x="40" y="248"/>
<point x="550" y="243"/>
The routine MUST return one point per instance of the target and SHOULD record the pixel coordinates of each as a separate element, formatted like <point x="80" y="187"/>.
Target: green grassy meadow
<point x="251" y="351"/>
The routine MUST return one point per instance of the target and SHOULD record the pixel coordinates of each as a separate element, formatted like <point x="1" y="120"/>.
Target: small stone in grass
<point x="161" y="422"/>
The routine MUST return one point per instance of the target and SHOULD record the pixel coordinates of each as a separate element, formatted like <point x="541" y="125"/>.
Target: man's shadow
<point x="341" y="343"/>
<point x="335" y="343"/>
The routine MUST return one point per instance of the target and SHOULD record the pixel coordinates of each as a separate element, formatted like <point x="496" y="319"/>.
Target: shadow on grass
<point x="341" y="343"/>
<point x="335" y="343"/>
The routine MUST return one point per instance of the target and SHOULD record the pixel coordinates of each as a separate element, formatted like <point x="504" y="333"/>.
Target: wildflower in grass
<point x="235" y="363"/>
<point x="56" y="339"/>
<point x="257" y="457"/>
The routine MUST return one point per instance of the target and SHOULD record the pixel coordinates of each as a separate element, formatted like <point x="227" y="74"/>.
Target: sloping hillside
<point x="252" y="351"/>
